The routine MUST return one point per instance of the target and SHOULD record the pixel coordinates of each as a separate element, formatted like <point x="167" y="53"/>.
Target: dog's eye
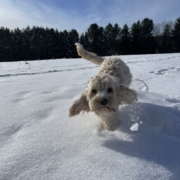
<point x="110" y="90"/>
<point x="94" y="91"/>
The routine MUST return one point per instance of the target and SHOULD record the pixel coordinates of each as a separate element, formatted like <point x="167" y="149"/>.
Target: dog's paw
<point x="124" y="94"/>
<point x="111" y="128"/>
<point x="72" y="112"/>
<point x="80" y="105"/>
<point x="133" y="96"/>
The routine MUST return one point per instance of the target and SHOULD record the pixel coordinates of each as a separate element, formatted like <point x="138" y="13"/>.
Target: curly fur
<point x="106" y="90"/>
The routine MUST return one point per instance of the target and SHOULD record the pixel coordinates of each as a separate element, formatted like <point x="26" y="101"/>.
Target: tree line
<point x="143" y="37"/>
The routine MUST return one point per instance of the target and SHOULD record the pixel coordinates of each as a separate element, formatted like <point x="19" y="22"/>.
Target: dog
<point x="106" y="90"/>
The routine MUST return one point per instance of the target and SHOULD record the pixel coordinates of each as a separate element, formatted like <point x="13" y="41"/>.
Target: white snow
<point x="39" y="141"/>
<point x="134" y="127"/>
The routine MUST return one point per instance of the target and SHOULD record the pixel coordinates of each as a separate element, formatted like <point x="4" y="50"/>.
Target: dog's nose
<point x="104" y="102"/>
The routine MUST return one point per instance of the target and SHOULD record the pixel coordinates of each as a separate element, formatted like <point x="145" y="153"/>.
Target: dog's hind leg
<point x="88" y="55"/>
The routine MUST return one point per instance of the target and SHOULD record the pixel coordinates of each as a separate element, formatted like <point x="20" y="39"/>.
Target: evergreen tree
<point x="111" y="39"/>
<point x="95" y="38"/>
<point x="125" y="43"/>
<point x="18" y="49"/>
<point x="166" y="40"/>
<point x="6" y="44"/>
<point x="84" y="41"/>
<point x="176" y="34"/>
<point x="148" y="45"/>
<point x="73" y="37"/>
<point x="67" y="45"/>
<point x="117" y="38"/>
<point x="136" y="33"/>
<point x="63" y="46"/>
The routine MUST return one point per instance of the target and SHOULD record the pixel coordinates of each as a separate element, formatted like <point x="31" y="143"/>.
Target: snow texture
<point x="134" y="127"/>
<point x="39" y="141"/>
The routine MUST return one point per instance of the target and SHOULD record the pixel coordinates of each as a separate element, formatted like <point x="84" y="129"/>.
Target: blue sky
<point x="79" y="14"/>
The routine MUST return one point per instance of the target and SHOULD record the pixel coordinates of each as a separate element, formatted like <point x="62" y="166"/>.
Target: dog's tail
<point x="88" y="55"/>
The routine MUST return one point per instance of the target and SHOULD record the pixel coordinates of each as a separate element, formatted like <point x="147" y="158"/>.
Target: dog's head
<point x="102" y="96"/>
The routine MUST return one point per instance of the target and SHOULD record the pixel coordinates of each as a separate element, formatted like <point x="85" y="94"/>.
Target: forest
<point x="143" y="37"/>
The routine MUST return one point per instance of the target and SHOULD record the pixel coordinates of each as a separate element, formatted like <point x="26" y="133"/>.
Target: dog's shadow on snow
<point x="158" y="137"/>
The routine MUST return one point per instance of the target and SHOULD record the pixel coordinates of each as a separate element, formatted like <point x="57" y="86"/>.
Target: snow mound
<point x="134" y="127"/>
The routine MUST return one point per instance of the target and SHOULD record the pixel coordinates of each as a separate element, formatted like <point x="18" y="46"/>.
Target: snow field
<point x="39" y="141"/>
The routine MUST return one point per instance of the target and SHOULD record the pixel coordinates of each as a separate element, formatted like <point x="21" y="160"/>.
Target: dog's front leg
<point x="110" y="121"/>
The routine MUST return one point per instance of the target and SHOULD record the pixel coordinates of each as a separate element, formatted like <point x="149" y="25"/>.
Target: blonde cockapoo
<point x="105" y="91"/>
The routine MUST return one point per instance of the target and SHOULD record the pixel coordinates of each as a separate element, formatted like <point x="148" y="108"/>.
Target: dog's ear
<point x="79" y="105"/>
<point x="124" y="94"/>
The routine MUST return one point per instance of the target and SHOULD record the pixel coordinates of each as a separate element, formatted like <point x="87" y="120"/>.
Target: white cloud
<point x="132" y="11"/>
<point x="17" y="13"/>
<point x="21" y="14"/>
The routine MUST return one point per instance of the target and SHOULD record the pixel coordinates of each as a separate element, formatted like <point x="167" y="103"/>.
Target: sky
<point x="79" y="14"/>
